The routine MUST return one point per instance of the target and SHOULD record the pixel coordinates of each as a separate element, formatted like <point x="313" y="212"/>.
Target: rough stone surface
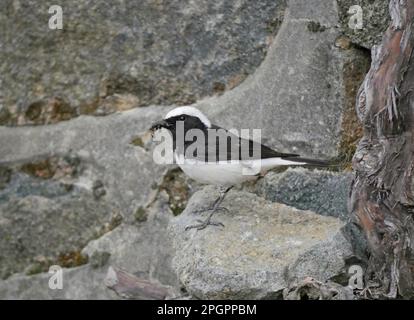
<point x="323" y="192"/>
<point x="115" y="55"/>
<point x="296" y="95"/>
<point x="90" y="183"/>
<point x="78" y="283"/>
<point x="375" y="16"/>
<point x="311" y="289"/>
<point x="57" y="229"/>
<point x="104" y="145"/>
<point x="120" y="174"/>
<point x="253" y="255"/>
<point x="357" y="62"/>
<point x="326" y="260"/>
<point x="69" y="184"/>
<point x="143" y="249"/>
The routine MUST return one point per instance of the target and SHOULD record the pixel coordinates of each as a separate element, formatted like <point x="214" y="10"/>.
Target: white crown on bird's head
<point x="189" y="111"/>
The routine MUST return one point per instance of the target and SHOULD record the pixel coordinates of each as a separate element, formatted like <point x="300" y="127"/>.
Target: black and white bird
<point x="217" y="165"/>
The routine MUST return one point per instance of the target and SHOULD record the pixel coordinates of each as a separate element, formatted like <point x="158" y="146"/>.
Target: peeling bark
<point x="382" y="198"/>
<point x="128" y="286"/>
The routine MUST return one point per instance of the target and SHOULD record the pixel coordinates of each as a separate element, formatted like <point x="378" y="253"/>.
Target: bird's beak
<point x="158" y="125"/>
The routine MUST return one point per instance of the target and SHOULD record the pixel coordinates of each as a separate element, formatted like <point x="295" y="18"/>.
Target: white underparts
<point x="229" y="172"/>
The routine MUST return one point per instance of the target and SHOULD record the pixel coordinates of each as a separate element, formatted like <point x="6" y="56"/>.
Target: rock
<point x="99" y="259"/>
<point x="356" y="237"/>
<point x="311" y="289"/>
<point x="69" y="184"/>
<point x="43" y="219"/>
<point x="90" y="186"/>
<point x="299" y="60"/>
<point x="375" y="20"/>
<point x="327" y="260"/>
<point x="357" y="62"/>
<point x="258" y="251"/>
<point x="128" y="286"/>
<point x="5" y="176"/>
<point x="4" y="114"/>
<point x="77" y="283"/>
<point x="179" y="188"/>
<point x="109" y="161"/>
<point x="296" y="96"/>
<point x="144" y="53"/>
<point x="143" y="249"/>
<point x="323" y="192"/>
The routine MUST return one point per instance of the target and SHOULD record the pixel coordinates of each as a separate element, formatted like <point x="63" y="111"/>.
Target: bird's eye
<point x="182" y="118"/>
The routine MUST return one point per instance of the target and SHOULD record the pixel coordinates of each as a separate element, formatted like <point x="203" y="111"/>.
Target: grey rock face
<point x="46" y="217"/>
<point x="375" y="16"/>
<point x="143" y="249"/>
<point x="320" y="191"/>
<point x="312" y="289"/>
<point x="78" y="283"/>
<point x="104" y="145"/>
<point x="297" y="93"/>
<point x="115" y="55"/>
<point x="50" y="206"/>
<point x="296" y="96"/>
<point x="57" y="229"/>
<point x="335" y="251"/>
<point x="258" y="250"/>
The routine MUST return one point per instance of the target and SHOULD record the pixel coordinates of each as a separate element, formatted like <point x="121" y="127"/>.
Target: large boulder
<point x="143" y="249"/>
<point x="116" y="55"/>
<point x="38" y="231"/>
<point x="63" y="186"/>
<point x="263" y="248"/>
<point x="375" y="20"/>
<point x="90" y="183"/>
<point x="297" y="95"/>
<point x="321" y="191"/>
<point x="82" y="282"/>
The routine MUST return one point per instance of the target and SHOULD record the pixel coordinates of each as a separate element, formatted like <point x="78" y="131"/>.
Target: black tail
<point x="311" y="162"/>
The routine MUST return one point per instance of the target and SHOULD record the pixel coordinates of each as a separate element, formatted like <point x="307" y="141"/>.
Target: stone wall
<point x="83" y="192"/>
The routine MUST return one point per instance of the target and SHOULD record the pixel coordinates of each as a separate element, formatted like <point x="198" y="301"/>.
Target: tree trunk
<point x="382" y="196"/>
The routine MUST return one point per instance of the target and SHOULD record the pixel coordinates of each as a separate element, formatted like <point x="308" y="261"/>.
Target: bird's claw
<point x="211" y="209"/>
<point x="203" y="224"/>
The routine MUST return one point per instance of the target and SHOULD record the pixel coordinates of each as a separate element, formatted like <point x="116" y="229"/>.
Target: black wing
<point x="227" y="146"/>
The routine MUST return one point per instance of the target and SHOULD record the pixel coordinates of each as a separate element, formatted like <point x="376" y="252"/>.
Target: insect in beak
<point x="158" y="125"/>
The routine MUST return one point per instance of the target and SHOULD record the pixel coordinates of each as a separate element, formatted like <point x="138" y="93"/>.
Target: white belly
<point x="228" y="172"/>
<point x="217" y="173"/>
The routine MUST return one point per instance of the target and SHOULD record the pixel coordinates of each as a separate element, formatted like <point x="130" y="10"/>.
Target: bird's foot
<point x="204" y="224"/>
<point x="211" y="209"/>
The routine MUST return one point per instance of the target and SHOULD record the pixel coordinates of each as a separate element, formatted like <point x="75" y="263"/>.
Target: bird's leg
<point x="216" y="207"/>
